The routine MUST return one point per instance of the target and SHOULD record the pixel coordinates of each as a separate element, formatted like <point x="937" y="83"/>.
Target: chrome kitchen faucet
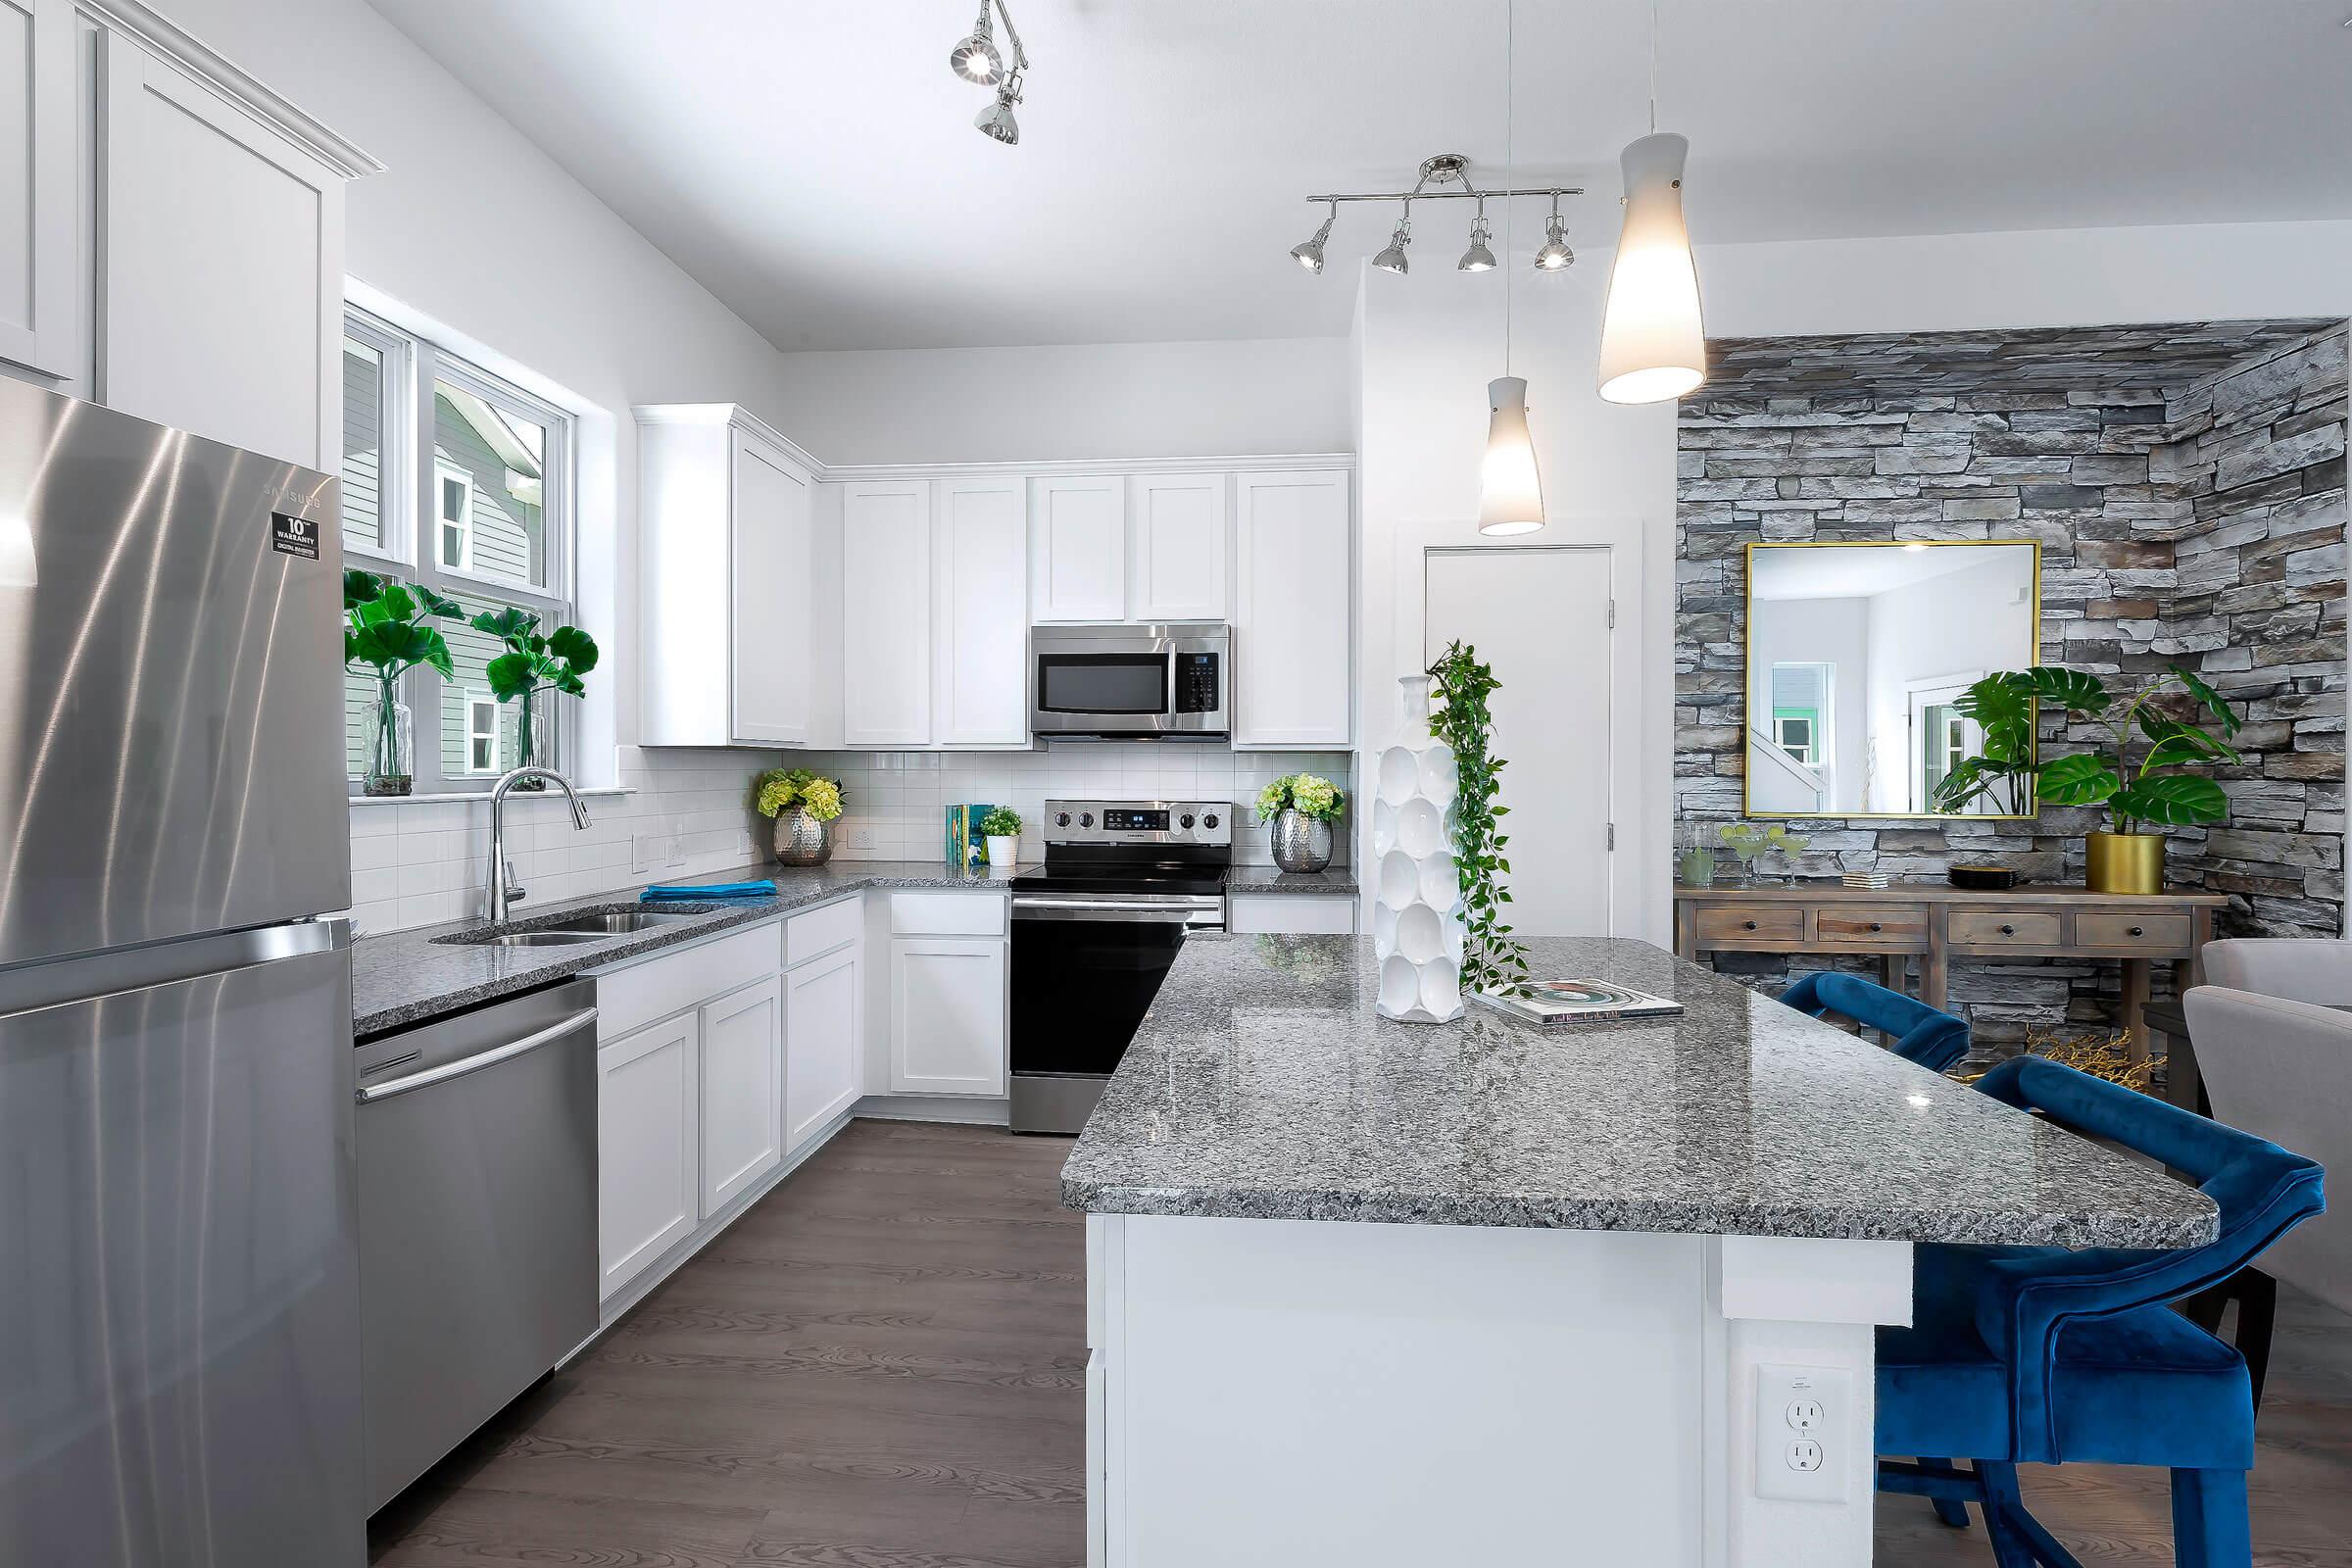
<point x="504" y="889"/>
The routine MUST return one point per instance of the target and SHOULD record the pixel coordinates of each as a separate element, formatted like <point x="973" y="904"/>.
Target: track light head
<point x="1310" y="253"/>
<point x="1478" y="258"/>
<point x="1554" y="256"/>
<point x="996" y="121"/>
<point x="1391" y="258"/>
<point x="975" y="58"/>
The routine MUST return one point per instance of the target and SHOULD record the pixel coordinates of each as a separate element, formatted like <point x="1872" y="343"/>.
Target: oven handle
<point x="1207" y="914"/>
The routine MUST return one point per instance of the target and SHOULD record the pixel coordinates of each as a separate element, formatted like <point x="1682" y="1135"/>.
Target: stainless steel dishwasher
<point x="477" y="1219"/>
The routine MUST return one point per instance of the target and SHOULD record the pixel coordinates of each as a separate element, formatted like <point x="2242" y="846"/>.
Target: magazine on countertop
<point x="1574" y="1001"/>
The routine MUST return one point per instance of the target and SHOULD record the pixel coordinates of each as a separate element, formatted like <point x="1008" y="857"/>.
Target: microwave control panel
<point x="1196" y="683"/>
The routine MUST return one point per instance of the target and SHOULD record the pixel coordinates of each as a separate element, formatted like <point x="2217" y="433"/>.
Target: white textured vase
<point x="1417" y="907"/>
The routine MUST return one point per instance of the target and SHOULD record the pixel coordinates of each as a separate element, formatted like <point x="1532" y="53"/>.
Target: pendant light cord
<point x="1654" y="65"/>
<point x="1511" y="39"/>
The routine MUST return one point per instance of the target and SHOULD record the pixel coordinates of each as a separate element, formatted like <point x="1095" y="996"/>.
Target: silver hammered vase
<point x="1301" y="843"/>
<point x="801" y="839"/>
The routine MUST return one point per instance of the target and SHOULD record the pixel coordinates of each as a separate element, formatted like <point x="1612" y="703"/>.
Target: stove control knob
<point x="1086" y="819"/>
<point x="1186" y="821"/>
<point x="1061" y="819"/>
<point x="1211" y="820"/>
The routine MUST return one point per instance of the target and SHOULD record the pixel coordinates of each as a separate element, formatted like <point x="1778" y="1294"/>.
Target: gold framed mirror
<point x="1857" y="655"/>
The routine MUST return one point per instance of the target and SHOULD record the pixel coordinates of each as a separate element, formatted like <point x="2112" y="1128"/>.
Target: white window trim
<point x="478" y="700"/>
<point x="446" y="474"/>
<point x="395" y="390"/>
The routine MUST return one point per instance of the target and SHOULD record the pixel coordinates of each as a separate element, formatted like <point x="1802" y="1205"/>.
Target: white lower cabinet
<point x="823" y="1044"/>
<point x="946" y="1015"/>
<point x="647" y="1104"/>
<point x="1289" y="914"/>
<point x="743" y="1091"/>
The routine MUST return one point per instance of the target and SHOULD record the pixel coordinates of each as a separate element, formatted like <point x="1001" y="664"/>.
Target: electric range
<point x="1094" y="933"/>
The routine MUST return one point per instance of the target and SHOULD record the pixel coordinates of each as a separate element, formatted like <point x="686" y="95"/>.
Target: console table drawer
<point x="1993" y="928"/>
<point x="2162" y="933"/>
<point x="1732" y="924"/>
<point x="1874" y="930"/>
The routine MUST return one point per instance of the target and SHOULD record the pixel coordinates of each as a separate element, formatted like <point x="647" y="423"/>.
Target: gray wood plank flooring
<point x="882" y="1366"/>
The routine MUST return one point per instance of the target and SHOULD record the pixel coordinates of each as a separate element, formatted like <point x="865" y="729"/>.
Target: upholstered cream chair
<point x="2298" y="968"/>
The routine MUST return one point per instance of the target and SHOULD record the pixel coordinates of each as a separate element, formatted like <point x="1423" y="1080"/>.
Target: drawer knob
<point x="1749" y="925"/>
<point x="1875" y="926"/>
<point x="2008" y="930"/>
<point x="2136" y="931"/>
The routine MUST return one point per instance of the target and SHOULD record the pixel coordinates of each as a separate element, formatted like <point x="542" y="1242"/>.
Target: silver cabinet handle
<point x="442" y="1074"/>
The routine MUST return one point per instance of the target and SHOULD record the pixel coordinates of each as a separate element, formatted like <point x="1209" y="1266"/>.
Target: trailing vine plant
<point x="1492" y="958"/>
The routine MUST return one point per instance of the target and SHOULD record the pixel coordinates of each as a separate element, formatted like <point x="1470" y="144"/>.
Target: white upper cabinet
<point x="1078" y="548"/>
<point x="39" y="204"/>
<point x="1291" y="630"/>
<point x="886" y="613"/>
<point x="980" y="576"/>
<point x="727" y="563"/>
<point x="1176" y="546"/>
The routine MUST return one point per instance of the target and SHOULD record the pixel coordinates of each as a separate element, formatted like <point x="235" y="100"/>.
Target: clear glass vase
<point x="529" y="746"/>
<point x="391" y="743"/>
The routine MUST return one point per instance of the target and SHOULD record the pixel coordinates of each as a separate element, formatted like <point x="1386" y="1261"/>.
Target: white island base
<point x="1298" y="1393"/>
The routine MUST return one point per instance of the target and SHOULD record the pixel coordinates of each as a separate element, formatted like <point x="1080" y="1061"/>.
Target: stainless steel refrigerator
<point x="178" y="1293"/>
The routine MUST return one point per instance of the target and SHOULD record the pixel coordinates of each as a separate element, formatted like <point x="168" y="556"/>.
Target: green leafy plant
<point x="1000" y="822"/>
<point x="779" y="788"/>
<point x="532" y="664"/>
<point x="388" y="627"/>
<point x="2135" y="790"/>
<point x="1309" y="793"/>
<point x="1492" y="958"/>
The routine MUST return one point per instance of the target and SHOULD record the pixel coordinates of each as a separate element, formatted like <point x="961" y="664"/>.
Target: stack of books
<point x="1868" y="879"/>
<point x="964" y="839"/>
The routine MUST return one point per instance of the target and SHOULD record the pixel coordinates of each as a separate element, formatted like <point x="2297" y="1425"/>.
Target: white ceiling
<point x="813" y="163"/>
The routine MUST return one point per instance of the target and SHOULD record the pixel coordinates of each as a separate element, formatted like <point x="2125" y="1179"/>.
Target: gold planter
<point x="2124" y="863"/>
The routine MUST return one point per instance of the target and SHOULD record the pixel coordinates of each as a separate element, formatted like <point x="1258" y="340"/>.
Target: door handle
<point x="448" y="1070"/>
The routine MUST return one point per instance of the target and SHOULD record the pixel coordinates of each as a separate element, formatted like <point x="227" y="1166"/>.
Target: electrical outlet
<point x="654" y="851"/>
<point x="862" y="836"/>
<point x="1803" y="1421"/>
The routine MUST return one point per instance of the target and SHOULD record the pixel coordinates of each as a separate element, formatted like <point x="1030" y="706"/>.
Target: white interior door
<point x="1539" y="615"/>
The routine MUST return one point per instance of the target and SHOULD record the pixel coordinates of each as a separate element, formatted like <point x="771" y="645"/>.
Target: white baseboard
<point x="956" y="1108"/>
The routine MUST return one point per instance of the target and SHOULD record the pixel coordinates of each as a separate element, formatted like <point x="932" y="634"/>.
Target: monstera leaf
<point x="2178" y="742"/>
<point x="2174" y="798"/>
<point x="385" y="624"/>
<point x="2069" y="688"/>
<point x="2084" y="779"/>
<point x="2211" y="701"/>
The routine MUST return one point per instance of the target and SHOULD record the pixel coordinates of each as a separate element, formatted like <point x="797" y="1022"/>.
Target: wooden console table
<point x="1939" y="922"/>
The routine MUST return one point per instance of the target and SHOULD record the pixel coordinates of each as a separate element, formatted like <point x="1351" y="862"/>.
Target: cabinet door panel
<point x="743" y="1091"/>
<point x="770" y="592"/>
<point x="886" y="613"/>
<point x="822" y="1045"/>
<point x="222" y="294"/>
<point x="981" y="583"/>
<point x="1292" y="581"/>
<point x="946" y="1015"/>
<point x="1178" y="546"/>
<point x="37" y="201"/>
<point x="1078" y="549"/>
<point x="647" y="1114"/>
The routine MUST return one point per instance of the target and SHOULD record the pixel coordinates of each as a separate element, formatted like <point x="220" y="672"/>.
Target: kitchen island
<point x="1365" y="1292"/>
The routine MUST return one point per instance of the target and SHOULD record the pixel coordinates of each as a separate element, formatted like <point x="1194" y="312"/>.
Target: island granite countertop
<point x="405" y="977"/>
<point x="1263" y="1085"/>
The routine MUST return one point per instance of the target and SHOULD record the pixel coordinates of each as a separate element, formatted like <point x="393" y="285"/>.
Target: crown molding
<point x="161" y="35"/>
<point x="734" y="413"/>
<point x="1077" y="468"/>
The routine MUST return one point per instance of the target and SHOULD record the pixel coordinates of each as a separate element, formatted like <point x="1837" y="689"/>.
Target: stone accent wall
<point x="2199" y="522"/>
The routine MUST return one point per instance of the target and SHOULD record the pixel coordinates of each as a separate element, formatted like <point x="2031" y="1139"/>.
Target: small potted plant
<point x="1001" y="827"/>
<point x="387" y="626"/>
<point x="805" y="807"/>
<point x="530" y="665"/>
<point x="1302" y="806"/>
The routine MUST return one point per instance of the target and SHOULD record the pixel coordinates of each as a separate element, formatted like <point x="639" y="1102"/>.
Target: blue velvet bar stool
<point x="1936" y="1041"/>
<point x="2048" y="1356"/>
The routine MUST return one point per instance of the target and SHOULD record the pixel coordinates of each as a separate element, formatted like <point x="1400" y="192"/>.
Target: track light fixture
<point x="1310" y="253"/>
<point x="1444" y="177"/>
<point x="1553" y="255"/>
<point x="1478" y="258"/>
<point x="976" y="59"/>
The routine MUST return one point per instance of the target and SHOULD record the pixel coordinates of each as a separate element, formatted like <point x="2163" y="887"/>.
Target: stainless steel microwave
<point x="1137" y="682"/>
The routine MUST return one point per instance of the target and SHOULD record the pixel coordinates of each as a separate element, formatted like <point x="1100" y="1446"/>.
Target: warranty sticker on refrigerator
<point x="290" y="535"/>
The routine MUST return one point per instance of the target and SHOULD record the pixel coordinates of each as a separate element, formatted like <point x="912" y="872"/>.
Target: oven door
<point x="1083" y="971"/>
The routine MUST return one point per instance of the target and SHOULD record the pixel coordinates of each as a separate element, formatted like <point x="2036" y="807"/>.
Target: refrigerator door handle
<point x="442" y="1074"/>
<point x="88" y="977"/>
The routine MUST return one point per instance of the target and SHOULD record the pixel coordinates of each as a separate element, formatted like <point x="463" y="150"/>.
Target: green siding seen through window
<point x="473" y="651"/>
<point x="497" y="457"/>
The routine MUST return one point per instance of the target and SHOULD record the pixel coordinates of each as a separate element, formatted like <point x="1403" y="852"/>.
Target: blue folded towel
<point x="690" y="893"/>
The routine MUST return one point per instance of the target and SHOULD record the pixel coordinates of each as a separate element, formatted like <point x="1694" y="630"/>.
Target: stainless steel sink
<point x="615" y="922"/>
<point x="574" y="926"/>
<point x="522" y="939"/>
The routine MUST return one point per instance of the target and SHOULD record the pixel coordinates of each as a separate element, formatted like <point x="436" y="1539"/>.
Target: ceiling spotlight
<point x="1392" y="259"/>
<point x="996" y="121"/>
<point x="1554" y="256"/>
<point x="976" y="59"/>
<point x="1310" y="253"/>
<point x="1478" y="258"/>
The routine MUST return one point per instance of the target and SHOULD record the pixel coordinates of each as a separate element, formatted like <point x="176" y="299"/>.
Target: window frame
<point x="446" y="474"/>
<point x="409" y="478"/>
<point x="476" y="699"/>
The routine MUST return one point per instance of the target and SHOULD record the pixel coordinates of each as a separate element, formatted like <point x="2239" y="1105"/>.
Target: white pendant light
<point x="1510" y="494"/>
<point x="1653" y="345"/>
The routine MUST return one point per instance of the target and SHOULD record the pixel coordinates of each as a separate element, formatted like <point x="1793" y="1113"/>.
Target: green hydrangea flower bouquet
<point x="1302" y="806"/>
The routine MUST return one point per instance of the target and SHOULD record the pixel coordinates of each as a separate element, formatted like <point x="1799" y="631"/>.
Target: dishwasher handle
<point x="442" y="1074"/>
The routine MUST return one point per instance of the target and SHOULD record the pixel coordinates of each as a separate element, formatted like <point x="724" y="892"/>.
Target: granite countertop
<point x="405" y="977"/>
<point x="1274" y="879"/>
<point x="1263" y="1085"/>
